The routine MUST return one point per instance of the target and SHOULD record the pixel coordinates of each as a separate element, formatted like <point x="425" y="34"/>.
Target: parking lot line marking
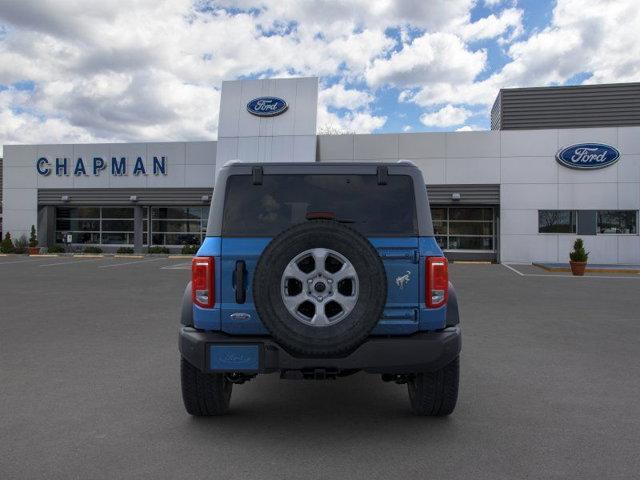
<point x="617" y="277"/>
<point x="18" y="261"/>
<point x="179" y="266"/>
<point x="129" y="263"/>
<point x="70" y="263"/>
<point x="513" y="269"/>
<point x="472" y="262"/>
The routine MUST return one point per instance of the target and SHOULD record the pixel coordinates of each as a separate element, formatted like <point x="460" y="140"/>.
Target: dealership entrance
<point x="466" y="220"/>
<point x="466" y="233"/>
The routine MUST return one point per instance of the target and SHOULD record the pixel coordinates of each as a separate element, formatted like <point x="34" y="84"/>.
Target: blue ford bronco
<point x="315" y="271"/>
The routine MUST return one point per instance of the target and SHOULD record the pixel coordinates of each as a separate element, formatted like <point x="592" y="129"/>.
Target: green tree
<point x="7" y="244"/>
<point x="579" y="254"/>
<point x="33" y="238"/>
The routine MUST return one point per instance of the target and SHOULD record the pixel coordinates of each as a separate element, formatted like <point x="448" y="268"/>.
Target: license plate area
<point x="230" y="357"/>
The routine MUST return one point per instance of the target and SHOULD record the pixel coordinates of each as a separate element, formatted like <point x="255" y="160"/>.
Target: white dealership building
<point x="559" y="162"/>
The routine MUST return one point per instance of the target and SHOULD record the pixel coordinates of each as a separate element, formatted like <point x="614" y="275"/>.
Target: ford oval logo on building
<point x="267" y="106"/>
<point x="588" y="156"/>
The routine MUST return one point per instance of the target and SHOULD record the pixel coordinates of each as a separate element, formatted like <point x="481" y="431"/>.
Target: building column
<point x="46" y="229"/>
<point x="137" y="228"/>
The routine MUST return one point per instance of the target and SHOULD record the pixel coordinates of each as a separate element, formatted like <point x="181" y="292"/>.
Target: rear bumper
<point x="420" y="352"/>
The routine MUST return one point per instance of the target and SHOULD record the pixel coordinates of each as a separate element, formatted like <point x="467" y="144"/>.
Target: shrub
<point x="579" y="254"/>
<point x="190" y="249"/>
<point x="158" y="249"/>
<point x="91" y="249"/>
<point x="21" y="244"/>
<point x="7" y="244"/>
<point x="125" y="251"/>
<point x="55" y="249"/>
<point x="33" y="238"/>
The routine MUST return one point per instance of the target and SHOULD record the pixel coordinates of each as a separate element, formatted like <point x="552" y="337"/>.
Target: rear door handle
<point x="239" y="282"/>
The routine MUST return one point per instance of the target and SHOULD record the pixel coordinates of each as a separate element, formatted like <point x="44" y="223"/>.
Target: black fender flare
<point x="186" y="312"/>
<point x="453" y="313"/>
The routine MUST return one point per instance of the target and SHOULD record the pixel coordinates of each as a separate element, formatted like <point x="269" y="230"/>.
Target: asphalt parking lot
<point x="89" y="385"/>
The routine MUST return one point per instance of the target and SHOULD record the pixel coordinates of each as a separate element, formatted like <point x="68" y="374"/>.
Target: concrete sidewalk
<point x="591" y="268"/>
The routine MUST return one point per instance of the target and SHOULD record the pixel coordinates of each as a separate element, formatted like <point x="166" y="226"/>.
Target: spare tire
<point x="320" y="288"/>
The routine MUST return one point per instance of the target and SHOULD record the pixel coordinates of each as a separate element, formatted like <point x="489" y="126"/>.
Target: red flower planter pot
<point x="578" y="268"/>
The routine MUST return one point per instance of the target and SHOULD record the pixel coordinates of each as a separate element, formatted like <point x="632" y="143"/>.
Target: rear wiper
<point x="327" y="216"/>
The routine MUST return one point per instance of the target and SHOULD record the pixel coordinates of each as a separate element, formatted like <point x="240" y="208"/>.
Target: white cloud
<point x="338" y="96"/>
<point x="407" y="128"/>
<point x="469" y="128"/>
<point x="433" y="57"/>
<point x="151" y="69"/>
<point x="358" y="118"/>
<point x="583" y="37"/>
<point x="509" y="20"/>
<point x="447" y="116"/>
<point x="331" y="16"/>
<point x="351" y="122"/>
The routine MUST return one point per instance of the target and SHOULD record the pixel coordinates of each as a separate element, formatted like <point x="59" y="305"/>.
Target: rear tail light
<point x="437" y="272"/>
<point x="202" y="281"/>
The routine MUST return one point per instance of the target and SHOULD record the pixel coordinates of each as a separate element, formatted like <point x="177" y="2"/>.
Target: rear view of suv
<point x="320" y="270"/>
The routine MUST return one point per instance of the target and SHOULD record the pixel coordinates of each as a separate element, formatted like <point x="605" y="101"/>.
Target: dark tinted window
<point x="285" y="200"/>
<point x="556" y="221"/>
<point x="617" y="221"/>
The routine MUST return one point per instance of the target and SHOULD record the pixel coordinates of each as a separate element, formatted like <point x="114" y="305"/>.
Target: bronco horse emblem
<point x="402" y="280"/>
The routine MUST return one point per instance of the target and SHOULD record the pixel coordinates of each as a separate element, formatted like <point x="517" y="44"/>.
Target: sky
<point x="77" y="71"/>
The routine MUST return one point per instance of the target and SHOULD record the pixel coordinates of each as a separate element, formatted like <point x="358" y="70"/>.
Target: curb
<point x="180" y="256"/>
<point x="472" y="262"/>
<point x="88" y="255"/>
<point x="588" y="270"/>
<point x="127" y="255"/>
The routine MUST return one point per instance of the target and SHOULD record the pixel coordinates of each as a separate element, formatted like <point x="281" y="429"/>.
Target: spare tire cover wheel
<point x="320" y="288"/>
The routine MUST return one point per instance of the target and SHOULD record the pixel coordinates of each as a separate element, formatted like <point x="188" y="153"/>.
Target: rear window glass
<point x="285" y="200"/>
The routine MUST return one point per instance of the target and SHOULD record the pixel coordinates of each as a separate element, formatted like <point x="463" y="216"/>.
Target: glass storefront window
<point x="178" y="225"/>
<point x="79" y="237"/>
<point x="78" y="224"/>
<point x="78" y="212"/>
<point x="95" y="225"/>
<point x="176" y="213"/>
<point x="464" y="228"/>
<point x="470" y="243"/>
<point x="117" y="212"/>
<point x="470" y="228"/>
<point x="618" y="221"/>
<point x="115" y="225"/>
<point x="462" y="213"/>
<point x="117" y="238"/>
<point x="557" y="221"/>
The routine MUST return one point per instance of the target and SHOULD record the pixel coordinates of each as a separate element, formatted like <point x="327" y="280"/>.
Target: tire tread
<point x="204" y="394"/>
<point x="435" y="394"/>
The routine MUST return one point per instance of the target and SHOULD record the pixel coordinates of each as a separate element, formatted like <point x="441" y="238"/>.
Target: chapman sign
<point x="588" y="156"/>
<point x="96" y="165"/>
<point x="267" y="106"/>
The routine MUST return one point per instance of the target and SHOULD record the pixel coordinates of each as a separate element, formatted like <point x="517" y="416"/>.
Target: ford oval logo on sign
<point x="588" y="156"/>
<point x="267" y="106"/>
